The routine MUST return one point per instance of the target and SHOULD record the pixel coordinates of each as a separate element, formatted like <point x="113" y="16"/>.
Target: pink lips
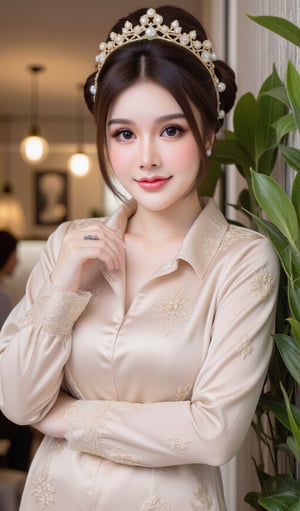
<point x="153" y="182"/>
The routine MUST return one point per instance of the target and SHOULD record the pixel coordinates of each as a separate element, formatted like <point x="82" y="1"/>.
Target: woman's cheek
<point x="119" y="160"/>
<point x="185" y="155"/>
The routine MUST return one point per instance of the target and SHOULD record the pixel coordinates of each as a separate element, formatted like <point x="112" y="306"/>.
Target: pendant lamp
<point x="34" y="148"/>
<point x="11" y="212"/>
<point x="79" y="162"/>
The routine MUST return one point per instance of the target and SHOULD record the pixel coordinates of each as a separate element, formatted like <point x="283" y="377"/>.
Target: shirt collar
<point x="119" y="219"/>
<point x="202" y="240"/>
<point x="204" y="237"/>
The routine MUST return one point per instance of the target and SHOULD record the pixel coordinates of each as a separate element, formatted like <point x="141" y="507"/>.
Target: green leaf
<point x="229" y="151"/>
<point x="280" y="94"/>
<point x="229" y="135"/>
<point x="283" y="494"/>
<point x="280" y="26"/>
<point x="294" y="300"/>
<point x="276" y="204"/>
<point x="246" y="121"/>
<point x="267" y="161"/>
<point x="279" y="242"/>
<point x="295" y="427"/>
<point x="270" y="109"/>
<point x="289" y="350"/>
<point x="295" y="267"/>
<point x="291" y="155"/>
<point x="296" y="195"/>
<point x="272" y="82"/>
<point x="283" y="126"/>
<point x="207" y="189"/>
<point x="293" y="87"/>
<point x="281" y="502"/>
<point x="279" y="409"/>
<point x="244" y="200"/>
<point x="294" y="448"/>
<point x="251" y="498"/>
<point x="295" y="327"/>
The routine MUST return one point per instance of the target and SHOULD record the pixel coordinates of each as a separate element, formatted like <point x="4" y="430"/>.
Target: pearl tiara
<point x="151" y="27"/>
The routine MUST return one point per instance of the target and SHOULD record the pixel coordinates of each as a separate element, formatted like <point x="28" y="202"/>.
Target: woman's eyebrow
<point x="171" y="117"/>
<point x="163" y="118"/>
<point x="119" y="121"/>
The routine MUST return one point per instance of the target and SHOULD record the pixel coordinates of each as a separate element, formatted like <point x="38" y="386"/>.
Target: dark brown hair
<point x="169" y="65"/>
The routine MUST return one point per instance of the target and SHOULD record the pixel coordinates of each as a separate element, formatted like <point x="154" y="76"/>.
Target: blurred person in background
<point x="8" y="262"/>
<point x="20" y="437"/>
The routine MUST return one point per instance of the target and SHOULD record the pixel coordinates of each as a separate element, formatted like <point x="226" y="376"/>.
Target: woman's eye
<point x="172" y="131"/>
<point x="123" y="134"/>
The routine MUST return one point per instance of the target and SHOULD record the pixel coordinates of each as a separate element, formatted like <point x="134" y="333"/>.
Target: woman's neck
<point x="158" y="226"/>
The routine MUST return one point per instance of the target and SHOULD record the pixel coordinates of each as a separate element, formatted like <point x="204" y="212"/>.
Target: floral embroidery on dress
<point x="43" y="489"/>
<point x="155" y="504"/>
<point x="178" y="441"/>
<point x="57" y="313"/>
<point x="262" y="283"/>
<point x="234" y="234"/>
<point x="172" y="308"/>
<point x="83" y="420"/>
<point x="245" y="348"/>
<point x="210" y="246"/>
<point x="87" y="440"/>
<point x="183" y="393"/>
<point x="203" y="500"/>
<point x="119" y="455"/>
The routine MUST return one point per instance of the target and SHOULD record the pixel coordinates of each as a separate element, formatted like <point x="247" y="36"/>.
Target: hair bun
<point x="88" y="97"/>
<point x="227" y="76"/>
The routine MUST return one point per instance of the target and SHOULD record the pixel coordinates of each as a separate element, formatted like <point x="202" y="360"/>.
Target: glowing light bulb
<point x="34" y="149"/>
<point x="79" y="164"/>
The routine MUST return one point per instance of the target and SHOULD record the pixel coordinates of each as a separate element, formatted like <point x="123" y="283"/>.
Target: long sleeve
<point x="36" y="341"/>
<point x="210" y="427"/>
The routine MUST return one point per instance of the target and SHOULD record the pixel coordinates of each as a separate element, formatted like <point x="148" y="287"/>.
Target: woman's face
<point x="151" y="147"/>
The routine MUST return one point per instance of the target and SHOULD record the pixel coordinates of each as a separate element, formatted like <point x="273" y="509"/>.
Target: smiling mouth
<point x="152" y="179"/>
<point x="152" y="182"/>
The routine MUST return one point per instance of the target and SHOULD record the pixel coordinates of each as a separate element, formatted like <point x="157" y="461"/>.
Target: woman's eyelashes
<point x="171" y="131"/>
<point x="123" y="134"/>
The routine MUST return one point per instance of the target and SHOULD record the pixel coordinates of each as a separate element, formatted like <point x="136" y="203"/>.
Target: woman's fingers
<point x="82" y="245"/>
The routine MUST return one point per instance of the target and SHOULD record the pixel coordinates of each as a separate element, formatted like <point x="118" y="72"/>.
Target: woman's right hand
<point x="76" y="253"/>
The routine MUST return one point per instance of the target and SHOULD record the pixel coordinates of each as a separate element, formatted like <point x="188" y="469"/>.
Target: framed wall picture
<point x="51" y="197"/>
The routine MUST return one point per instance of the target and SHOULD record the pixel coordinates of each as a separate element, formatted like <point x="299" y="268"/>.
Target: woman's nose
<point x="149" y="157"/>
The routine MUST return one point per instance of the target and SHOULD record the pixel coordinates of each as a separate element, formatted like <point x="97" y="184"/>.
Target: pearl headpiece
<point x="152" y="27"/>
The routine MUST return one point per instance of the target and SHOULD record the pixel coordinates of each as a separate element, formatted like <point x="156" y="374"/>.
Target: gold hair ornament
<point x="151" y="27"/>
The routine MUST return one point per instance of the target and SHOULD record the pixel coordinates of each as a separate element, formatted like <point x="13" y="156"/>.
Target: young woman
<point x="142" y="344"/>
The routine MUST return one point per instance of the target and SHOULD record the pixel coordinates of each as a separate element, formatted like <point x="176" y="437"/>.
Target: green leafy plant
<point x="262" y="128"/>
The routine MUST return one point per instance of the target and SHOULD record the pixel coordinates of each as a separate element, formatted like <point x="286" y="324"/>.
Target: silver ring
<point x="90" y="237"/>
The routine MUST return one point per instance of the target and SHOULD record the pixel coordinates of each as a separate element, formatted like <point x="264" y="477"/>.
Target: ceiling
<point x="63" y="36"/>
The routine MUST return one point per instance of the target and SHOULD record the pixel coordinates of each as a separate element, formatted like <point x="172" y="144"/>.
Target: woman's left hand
<point x="54" y="424"/>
